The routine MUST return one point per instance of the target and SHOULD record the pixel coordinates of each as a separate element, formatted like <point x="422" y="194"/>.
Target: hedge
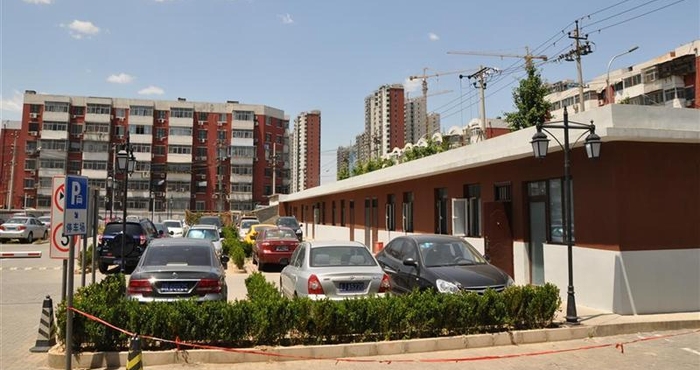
<point x="267" y="318"/>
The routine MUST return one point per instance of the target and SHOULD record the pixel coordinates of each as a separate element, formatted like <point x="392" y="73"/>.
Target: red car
<point x="274" y="245"/>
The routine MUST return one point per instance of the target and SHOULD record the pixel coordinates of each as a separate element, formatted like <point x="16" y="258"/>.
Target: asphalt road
<point x="25" y="282"/>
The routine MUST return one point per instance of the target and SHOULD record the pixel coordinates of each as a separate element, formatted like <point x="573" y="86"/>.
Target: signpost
<point x="75" y="218"/>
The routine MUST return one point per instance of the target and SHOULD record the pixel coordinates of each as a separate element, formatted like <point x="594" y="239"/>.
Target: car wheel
<point x="103" y="267"/>
<point x="261" y="266"/>
<point x="30" y="238"/>
<point x="46" y="235"/>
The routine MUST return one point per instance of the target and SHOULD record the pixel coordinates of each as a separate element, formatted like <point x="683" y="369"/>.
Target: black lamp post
<point x="125" y="162"/>
<point x="110" y="195"/>
<point x="540" y="144"/>
<point x="170" y="207"/>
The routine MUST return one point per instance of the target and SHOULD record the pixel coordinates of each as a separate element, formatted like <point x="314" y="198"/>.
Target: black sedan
<point x="179" y="268"/>
<point x="446" y="263"/>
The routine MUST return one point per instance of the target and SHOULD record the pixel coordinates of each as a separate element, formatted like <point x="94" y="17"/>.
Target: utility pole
<point x="12" y="172"/>
<point x="575" y="55"/>
<point x="480" y="78"/>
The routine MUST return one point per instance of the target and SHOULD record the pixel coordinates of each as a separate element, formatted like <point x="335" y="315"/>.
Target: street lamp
<point x="170" y="207"/>
<point x="540" y="144"/>
<point x="110" y="189"/>
<point x="608" y="92"/>
<point x="125" y="163"/>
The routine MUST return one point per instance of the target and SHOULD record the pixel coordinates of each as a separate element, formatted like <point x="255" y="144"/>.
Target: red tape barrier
<point x="178" y="342"/>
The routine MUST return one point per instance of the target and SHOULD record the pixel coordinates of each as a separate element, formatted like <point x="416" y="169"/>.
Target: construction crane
<point x="528" y="57"/>
<point x="424" y="88"/>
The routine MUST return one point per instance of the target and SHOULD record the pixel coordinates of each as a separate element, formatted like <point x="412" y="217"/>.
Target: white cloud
<point x="152" y="90"/>
<point x="433" y="36"/>
<point x="286" y="18"/>
<point x="80" y="29"/>
<point x="121" y="78"/>
<point x="13" y="104"/>
<point x="45" y="2"/>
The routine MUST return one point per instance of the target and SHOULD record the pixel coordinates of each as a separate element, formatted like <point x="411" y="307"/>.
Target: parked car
<point x="162" y="230"/>
<point x="292" y="223"/>
<point x="175" y="227"/>
<point x="208" y="232"/>
<point x="333" y="270"/>
<point x="254" y="231"/>
<point x="25" y="228"/>
<point x="109" y="248"/>
<point x="211" y="220"/>
<point x="443" y="262"/>
<point x="244" y="227"/>
<point x="46" y="220"/>
<point x="274" y="245"/>
<point x="173" y="269"/>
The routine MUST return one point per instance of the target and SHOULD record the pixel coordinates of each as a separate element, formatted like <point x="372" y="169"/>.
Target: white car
<point x="208" y="232"/>
<point x="175" y="228"/>
<point x="27" y="229"/>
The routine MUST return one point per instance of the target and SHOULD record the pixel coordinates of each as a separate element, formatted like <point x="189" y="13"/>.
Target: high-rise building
<point x="384" y="120"/>
<point x="306" y="151"/>
<point x="199" y="156"/>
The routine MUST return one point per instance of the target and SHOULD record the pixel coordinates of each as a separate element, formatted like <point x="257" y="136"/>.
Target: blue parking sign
<point x="76" y="205"/>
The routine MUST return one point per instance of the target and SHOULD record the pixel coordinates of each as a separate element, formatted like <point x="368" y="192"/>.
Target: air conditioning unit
<point x="202" y="176"/>
<point x="202" y="141"/>
<point x="162" y="138"/>
<point x="33" y="133"/>
<point x="75" y="116"/>
<point x="121" y="118"/>
<point x="32" y="172"/>
<point x="161" y="120"/>
<point x="34" y="115"/>
<point x="201" y="123"/>
<point x="119" y="136"/>
<point x="220" y="123"/>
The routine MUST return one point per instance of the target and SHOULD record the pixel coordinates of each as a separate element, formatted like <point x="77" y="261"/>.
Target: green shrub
<point x="238" y="257"/>
<point x="267" y="318"/>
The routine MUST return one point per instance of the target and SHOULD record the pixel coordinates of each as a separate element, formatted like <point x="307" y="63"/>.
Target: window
<point x="35" y="108"/>
<point x="342" y="213"/>
<point x="96" y="128"/>
<point x="181" y="113"/>
<point x="95" y="146"/>
<point x="241" y="169"/>
<point x="243" y="115"/>
<point x="140" y="110"/>
<point x="140" y="129"/>
<point x="99" y="109"/>
<point x="73" y="165"/>
<point x="202" y="135"/>
<point x="333" y="213"/>
<point x="53" y="163"/>
<point x="54" y="144"/>
<point x="162" y="114"/>
<point x="95" y="165"/>
<point x="51" y="106"/>
<point x="242" y="134"/>
<point x="241" y="187"/>
<point x="390" y="212"/>
<point x="202" y="116"/>
<point x="502" y="193"/>
<point x="160" y="133"/>
<point x="180" y="131"/>
<point x="199" y="205"/>
<point x="201" y="151"/>
<point x="222" y="117"/>
<point x="119" y="112"/>
<point x="141" y="148"/>
<point x="407" y="212"/>
<point x="30" y="164"/>
<point x="242" y="151"/>
<point x="159" y="150"/>
<point x="78" y="111"/>
<point x="28" y="183"/>
<point x="76" y="129"/>
<point x="557" y="231"/>
<point x="634" y="80"/>
<point x="466" y="212"/>
<point x="651" y="75"/>
<point x="179" y="149"/>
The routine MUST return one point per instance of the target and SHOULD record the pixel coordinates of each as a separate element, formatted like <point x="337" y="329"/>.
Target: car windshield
<point x="210" y="221"/>
<point x="288" y="222"/>
<point x="172" y="224"/>
<point x="449" y="253"/>
<point x="208" y="234"/>
<point x="341" y="256"/>
<point x="279" y="234"/>
<point x="246" y="224"/>
<point x="116" y="228"/>
<point x="17" y="220"/>
<point x="176" y="255"/>
<point x="45" y="219"/>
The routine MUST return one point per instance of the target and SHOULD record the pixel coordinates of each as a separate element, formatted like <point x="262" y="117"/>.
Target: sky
<point x="303" y="55"/>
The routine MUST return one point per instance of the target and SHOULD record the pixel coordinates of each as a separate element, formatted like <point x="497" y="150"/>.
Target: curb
<point x="92" y="360"/>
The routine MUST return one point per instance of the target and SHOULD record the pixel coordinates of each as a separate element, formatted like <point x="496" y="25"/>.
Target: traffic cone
<point x="134" y="358"/>
<point x="47" y="337"/>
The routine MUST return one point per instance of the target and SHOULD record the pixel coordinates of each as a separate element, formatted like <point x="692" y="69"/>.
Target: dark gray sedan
<point x="179" y="268"/>
<point x="446" y="263"/>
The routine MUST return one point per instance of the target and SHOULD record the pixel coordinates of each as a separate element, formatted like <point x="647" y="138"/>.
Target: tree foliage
<point x="529" y="100"/>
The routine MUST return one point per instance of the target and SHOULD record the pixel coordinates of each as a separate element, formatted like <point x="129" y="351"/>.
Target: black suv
<point x="292" y="223"/>
<point x="109" y="249"/>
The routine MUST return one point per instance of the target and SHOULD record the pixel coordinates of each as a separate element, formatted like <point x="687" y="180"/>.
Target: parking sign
<point x="75" y="214"/>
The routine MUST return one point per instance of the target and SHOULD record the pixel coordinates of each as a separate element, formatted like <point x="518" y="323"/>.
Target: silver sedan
<point x="333" y="270"/>
<point x="25" y="228"/>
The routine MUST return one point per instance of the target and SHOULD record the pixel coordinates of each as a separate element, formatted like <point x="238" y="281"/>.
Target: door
<point x="538" y="235"/>
<point x="498" y="235"/>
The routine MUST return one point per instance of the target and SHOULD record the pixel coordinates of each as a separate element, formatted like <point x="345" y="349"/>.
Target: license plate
<point x="174" y="288"/>
<point x="351" y="286"/>
<point x="282" y="248"/>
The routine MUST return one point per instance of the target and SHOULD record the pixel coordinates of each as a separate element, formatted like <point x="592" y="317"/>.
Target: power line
<point x="620" y="13"/>
<point x="639" y="16"/>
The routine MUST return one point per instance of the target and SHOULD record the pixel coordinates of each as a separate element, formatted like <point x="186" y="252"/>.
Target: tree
<point x="528" y="98"/>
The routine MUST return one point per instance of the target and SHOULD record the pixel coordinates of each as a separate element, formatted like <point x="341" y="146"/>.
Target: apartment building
<point x="306" y="151"/>
<point x="414" y="117"/>
<point x="201" y="156"/>
<point x="669" y="80"/>
<point x="384" y="121"/>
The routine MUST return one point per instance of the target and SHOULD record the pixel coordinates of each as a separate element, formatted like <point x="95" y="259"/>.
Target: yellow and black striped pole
<point x="46" y="338"/>
<point x="134" y="361"/>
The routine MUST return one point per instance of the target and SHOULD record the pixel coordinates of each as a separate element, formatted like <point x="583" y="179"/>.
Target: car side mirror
<point x="301" y="225"/>
<point x="410" y="262"/>
<point x="224" y="259"/>
<point x="171" y="232"/>
<point x="160" y="232"/>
